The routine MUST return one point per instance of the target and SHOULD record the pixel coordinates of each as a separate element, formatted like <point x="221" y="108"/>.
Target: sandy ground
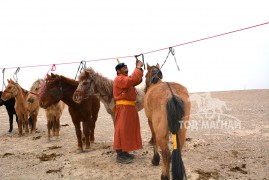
<point x="228" y="138"/>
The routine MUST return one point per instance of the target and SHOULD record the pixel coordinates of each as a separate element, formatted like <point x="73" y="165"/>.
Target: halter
<point x="59" y="87"/>
<point x="154" y="77"/>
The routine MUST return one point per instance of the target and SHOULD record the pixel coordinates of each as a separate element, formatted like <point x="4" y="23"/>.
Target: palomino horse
<point x="167" y="107"/>
<point x="93" y="83"/>
<point x="33" y="102"/>
<point x="13" y="89"/>
<point x="62" y="88"/>
<point x="53" y="114"/>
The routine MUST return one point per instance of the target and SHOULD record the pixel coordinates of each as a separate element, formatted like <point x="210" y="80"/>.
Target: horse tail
<point x="175" y="113"/>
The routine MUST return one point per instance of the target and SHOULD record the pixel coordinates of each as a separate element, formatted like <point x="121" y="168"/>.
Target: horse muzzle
<point x="78" y="96"/>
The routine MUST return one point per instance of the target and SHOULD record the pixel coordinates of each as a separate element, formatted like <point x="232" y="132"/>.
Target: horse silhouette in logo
<point x="209" y="106"/>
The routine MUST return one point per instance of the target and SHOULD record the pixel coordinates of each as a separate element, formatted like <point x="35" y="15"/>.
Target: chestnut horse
<point x="93" y="83"/>
<point x="167" y="107"/>
<point x="13" y="89"/>
<point x="58" y="88"/>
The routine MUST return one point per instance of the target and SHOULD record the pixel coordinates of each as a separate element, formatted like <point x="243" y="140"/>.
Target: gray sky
<point x="34" y="32"/>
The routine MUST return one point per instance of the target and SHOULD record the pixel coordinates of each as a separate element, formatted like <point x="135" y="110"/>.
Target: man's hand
<point x="139" y="64"/>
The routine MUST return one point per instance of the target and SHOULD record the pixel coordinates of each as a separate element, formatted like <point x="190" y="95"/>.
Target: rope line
<point x="149" y="52"/>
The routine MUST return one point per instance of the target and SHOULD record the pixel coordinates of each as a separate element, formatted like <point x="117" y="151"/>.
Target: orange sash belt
<point x="125" y="102"/>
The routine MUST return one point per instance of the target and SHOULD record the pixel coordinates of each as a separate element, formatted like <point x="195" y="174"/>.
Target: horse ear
<point x="148" y="67"/>
<point x="158" y="66"/>
<point x="11" y="81"/>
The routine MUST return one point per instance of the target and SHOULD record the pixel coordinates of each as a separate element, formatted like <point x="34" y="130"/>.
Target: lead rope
<point x="81" y="66"/>
<point x="172" y="51"/>
<point x="15" y="75"/>
<point x="3" y="85"/>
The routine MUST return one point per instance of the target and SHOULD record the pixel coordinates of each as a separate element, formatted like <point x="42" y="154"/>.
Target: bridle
<point x="12" y="91"/>
<point x="82" y="92"/>
<point x="60" y="88"/>
<point x="155" y="76"/>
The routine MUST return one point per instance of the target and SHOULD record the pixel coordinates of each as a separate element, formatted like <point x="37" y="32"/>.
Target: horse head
<point x="10" y="91"/>
<point x="86" y="86"/>
<point x="52" y="91"/>
<point x="153" y="75"/>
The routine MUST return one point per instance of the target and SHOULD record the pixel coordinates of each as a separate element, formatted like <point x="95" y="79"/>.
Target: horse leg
<point x="49" y="126"/>
<point x="10" y="122"/>
<point x="152" y="133"/>
<point x="57" y="126"/>
<point x="34" y="120"/>
<point x="92" y="126"/>
<point x="54" y="126"/>
<point x="86" y="131"/>
<point x="78" y="133"/>
<point x="166" y="155"/>
<point x="20" y="124"/>
<point x="17" y="120"/>
<point x="25" y="117"/>
<point x="183" y="129"/>
<point x="156" y="157"/>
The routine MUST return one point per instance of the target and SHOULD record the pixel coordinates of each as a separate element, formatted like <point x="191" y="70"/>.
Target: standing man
<point x="127" y="135"/>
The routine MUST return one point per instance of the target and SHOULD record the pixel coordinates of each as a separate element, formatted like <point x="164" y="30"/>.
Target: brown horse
<point x="93" y="83"/>
<point x="13" y="89"/>
<point x="167" y="107"/>
<point x="62" y="88"/>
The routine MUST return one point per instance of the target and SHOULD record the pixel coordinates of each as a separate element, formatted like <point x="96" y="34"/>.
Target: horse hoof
<point x="87" y="150"/>
<point x="163" y="177"/>
<point x="150" y="141"/>
<point x="78" y="151"/>
<point x="155" y="160"/>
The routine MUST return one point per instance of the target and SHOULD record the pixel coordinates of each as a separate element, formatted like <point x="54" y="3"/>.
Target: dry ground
<point x="238" y="149"/>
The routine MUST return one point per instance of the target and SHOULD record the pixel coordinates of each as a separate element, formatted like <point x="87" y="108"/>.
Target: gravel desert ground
<point x="228" y="138"/>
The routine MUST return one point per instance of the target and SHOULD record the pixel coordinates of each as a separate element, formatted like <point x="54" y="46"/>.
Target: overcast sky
<point x="35" y="32"/>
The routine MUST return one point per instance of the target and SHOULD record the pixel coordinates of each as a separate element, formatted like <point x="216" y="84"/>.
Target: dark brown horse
<point x="62" y="88"/>
<point x="167" y="107"/>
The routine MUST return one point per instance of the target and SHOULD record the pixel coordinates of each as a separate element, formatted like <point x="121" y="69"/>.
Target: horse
<point x="93" y="83"/>
<point x="32" y="101"/>
<point x="167" y="108"/>
<point x="53" y="114"/>
<point x="58" y="87"/>
<point x="10" y="110"/>
<point x="13" y="89"/>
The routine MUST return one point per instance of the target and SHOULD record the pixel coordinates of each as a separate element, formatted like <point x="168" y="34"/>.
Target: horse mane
<point x="101" y="82"/>
<point x="69" y="81"/>
<point x="36" y="84"/>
